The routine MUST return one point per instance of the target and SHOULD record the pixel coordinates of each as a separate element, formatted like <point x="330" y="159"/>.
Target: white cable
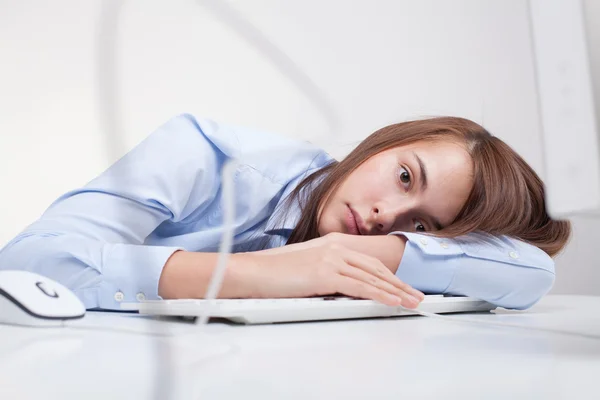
<point x="228" y="202"/>
<point x="109" y="110"/>
<point x="278" y="58"/>
<point x="231" y="18"/>
<point x="107" y="83"/>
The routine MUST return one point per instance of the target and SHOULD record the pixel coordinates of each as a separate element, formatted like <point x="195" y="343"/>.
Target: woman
<point x="434" y="206"/>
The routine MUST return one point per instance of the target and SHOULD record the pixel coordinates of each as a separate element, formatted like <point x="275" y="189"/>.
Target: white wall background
<point x="377" y="62"/>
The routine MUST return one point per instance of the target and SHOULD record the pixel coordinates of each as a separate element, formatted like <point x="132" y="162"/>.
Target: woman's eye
<point x="419" y="227"/>
<point x="404" y="177"/>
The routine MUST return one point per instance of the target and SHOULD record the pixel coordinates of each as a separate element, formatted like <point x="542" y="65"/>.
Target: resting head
<point x="444" y="176"/>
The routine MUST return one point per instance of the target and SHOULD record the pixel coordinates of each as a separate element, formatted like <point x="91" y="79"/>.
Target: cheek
<point x="360" y="189"/>
<point x="369" y="179"/>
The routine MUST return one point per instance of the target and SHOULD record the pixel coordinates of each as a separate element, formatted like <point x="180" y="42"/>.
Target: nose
<point x="388" y="216"/>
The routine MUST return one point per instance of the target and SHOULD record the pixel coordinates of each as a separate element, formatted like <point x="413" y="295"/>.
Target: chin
<point x="323" y="231"/>
<point x="326" y="227"/>
<point x="331" y="227"/>
<point x="330" y="223"/>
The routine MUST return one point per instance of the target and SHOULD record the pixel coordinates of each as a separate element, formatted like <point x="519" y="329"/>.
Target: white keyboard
<point x="261" y="311"/>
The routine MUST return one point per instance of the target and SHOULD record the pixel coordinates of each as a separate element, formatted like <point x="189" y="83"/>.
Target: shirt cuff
<point x="428" y="263"/>
<point x="131" y="273"/>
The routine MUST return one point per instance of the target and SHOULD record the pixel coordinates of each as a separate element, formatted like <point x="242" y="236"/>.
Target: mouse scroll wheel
<point x="46" y="291"/>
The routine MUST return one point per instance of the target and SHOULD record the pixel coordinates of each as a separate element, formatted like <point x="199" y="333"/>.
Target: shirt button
<point x="140" y="297"/>
<point x="443" y="245"/>
<point x="119" y="296"/>
<point x="513" y="254"/>
<point x="424" y="241"/>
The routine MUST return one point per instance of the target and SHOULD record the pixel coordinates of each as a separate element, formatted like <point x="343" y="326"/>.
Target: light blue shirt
<point x="109" y="240"/>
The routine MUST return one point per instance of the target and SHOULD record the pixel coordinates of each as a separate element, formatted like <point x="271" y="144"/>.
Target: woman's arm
<point x="504" y="271"/>
<point x="92" y="239"/>
<point x="323" y="268"/>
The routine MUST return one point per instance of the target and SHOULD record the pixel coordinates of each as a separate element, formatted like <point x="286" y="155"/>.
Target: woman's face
<point x="417" y="187"/>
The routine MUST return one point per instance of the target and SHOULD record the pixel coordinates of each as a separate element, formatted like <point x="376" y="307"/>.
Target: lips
<point x="354" y="223"/>
<point x="351" y="222"/>
<point x="359" y="223"/>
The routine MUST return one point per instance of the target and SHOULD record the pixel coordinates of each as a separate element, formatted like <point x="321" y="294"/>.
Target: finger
<point x="370" y="279"/>
<point x="356" y="288"/>
<point x="376" y="268"/>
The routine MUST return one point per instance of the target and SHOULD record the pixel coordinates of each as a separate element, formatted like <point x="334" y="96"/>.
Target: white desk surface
<point x="111" y="356"/>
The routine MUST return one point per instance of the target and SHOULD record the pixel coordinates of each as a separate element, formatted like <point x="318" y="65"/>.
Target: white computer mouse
<point x="30" y="299"/>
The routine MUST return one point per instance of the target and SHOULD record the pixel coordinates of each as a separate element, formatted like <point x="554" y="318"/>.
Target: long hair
<point x="507" y="197"/>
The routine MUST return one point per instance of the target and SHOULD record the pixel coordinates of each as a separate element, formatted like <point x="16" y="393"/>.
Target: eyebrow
<point x="423" y="177"/>
<point x="423" y="174"/>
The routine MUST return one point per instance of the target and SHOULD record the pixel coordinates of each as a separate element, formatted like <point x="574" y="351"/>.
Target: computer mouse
<point x="30" y="299"/>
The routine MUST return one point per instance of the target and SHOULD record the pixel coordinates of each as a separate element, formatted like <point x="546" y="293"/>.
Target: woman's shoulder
<point x="277" y="157"/>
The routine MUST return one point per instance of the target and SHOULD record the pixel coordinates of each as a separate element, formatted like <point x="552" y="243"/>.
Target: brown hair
<point x="507" y="197"/>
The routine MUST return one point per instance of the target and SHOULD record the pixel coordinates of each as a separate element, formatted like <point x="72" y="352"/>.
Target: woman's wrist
<point x="386" y="248"/>
<point x="243" y="276"/>
<point x="187" y="275"/>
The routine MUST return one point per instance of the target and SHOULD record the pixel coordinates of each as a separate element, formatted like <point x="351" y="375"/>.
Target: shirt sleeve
<point x="503" y="271"/>
<point x="92" y="239"/>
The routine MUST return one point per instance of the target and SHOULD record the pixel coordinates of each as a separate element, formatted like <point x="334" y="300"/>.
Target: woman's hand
<point x="320" y="267"/>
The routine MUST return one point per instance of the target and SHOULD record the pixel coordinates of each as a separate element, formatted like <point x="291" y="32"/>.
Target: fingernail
<point x="413" y="300"/>
<point x="417" y="294"/>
